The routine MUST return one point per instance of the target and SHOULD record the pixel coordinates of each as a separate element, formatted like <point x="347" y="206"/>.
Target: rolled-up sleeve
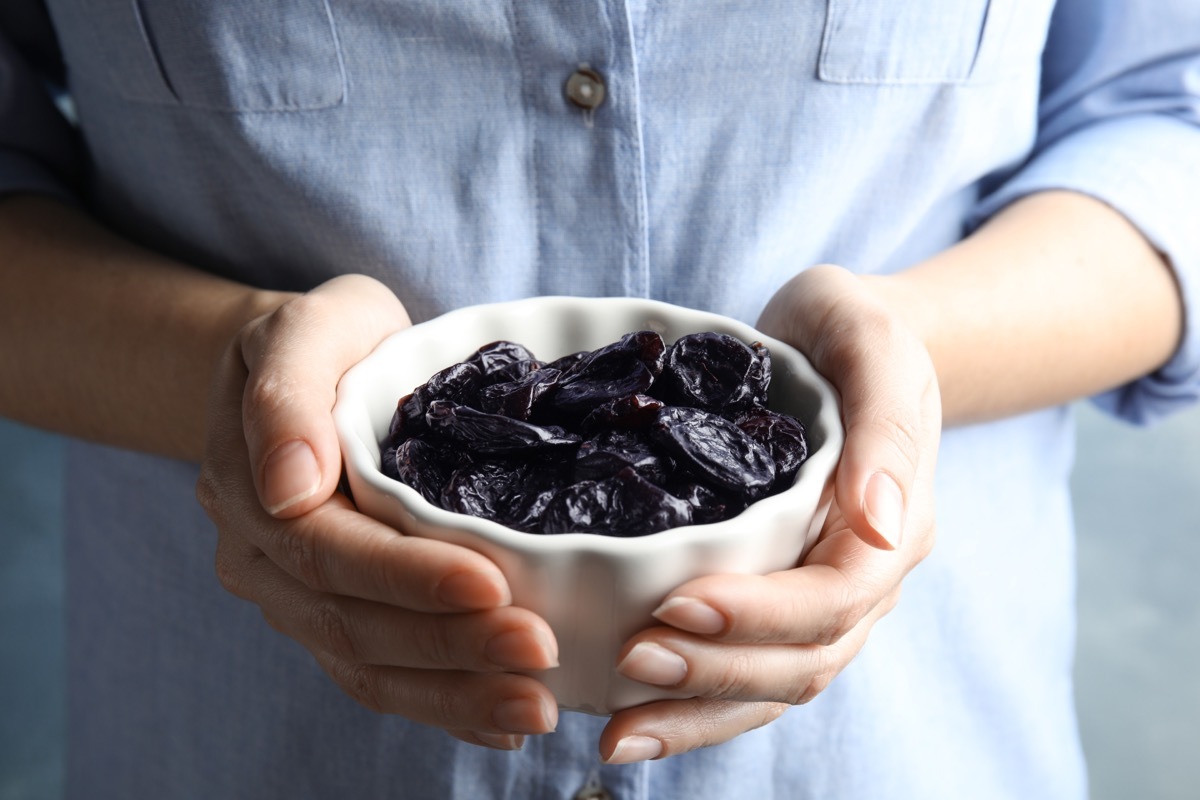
<point x="1120" y="121"/>
<point x="39" y="150"/>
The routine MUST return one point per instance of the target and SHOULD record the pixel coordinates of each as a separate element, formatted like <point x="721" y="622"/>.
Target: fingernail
<point x="652" y="663"/>
<point x="524" y="715"/>
<point x="635" y="748"/>
<point x="473" y="590"/>
<point x="883" y="503"/>
<point x="291" y="474"/>
<point x="690" y="614"/>
<point x="524" y="648"/>
<point x="501" y="741"/>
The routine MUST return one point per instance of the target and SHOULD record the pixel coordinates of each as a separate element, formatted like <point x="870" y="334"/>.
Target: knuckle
<point x="361" y="683"/>
<point x="843" y="618"/>
<point x="807" y="692"/>
<point x="332" y="630"/>
<point x="444" y="704"/>
<point x="304" y="559"/>
<point x="229" y="573"/>
<point x="208" y="496"/>
<point x="434" y="647"/>
<point x="737" y="677"/>
<point x="268" y="391"/>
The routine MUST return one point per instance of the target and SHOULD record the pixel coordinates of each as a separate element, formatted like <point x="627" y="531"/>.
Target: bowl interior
<point x="552" y="327"/>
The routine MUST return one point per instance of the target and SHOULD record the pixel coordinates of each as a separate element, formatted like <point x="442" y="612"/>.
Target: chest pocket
<point x="220" y="55"/>
<point x="922" y="42"/>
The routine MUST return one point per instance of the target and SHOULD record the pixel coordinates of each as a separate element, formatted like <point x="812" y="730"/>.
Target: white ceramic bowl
<point x="594" y="591"/>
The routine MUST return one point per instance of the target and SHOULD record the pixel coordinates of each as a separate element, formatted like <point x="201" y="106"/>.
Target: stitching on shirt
<point x="531" y="121"/>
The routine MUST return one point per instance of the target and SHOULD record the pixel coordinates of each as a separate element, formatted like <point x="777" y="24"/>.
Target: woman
<point x="281" y="185"/>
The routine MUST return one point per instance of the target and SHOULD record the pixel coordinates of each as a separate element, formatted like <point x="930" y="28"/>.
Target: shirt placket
<point x="581" y="92"/>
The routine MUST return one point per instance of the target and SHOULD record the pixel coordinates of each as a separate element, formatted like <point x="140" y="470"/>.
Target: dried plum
<point x="634" y="412"/>
<point x="495" y="357"/>
<point x="421" y="465"/>
<point x="493" y="434"/>
<point x="714" y="449"/>
<point x="614" y="450"/>
<point x="519" y="398"/>
<point x="508" y="492"/>
<point x="624" y="440"/>
<point x="624" y="505"/>
<point x="459" y="383"/>
<point x="784" y="435"/>
<point x="715" y="372"/>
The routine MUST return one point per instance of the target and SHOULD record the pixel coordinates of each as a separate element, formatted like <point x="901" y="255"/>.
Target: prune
<point x="714" y="449"/>
<point x="614" y="450"/>
<point x="624" y="505"/>
<point x="459" y="383"/>
<point x="493" y="434"/>
<point x="625" y="367"/>
<point x="495" y="357"/>
<point x="784" y="435"/>
<point x="511" y="493"/>
<point x="624" y="440"/>
<point x="519" y="398"/>
<point x="634" y="412"/>
<point x="715" y="372"/>
<point x="421" y="465"/>
<point x="707" y="505"/>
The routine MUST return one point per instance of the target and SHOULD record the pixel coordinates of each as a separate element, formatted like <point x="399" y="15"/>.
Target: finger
<point x="496" y="741"/>
<point x="890" y="401"/>
<point x="671" y="727"/>
<point x="360" y="631"/>
<point x="787" y="673"/>
<point x="495" y="703"/>
<point x="335" y="549"/>
<point x="294" y="360"/>
<point x="841" y="582"/>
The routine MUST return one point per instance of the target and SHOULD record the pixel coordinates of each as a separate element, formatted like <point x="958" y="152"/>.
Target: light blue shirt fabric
<point x="429" y="143"/>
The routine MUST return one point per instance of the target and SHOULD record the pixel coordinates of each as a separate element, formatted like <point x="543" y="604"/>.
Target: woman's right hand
<point x="404" y="625"/>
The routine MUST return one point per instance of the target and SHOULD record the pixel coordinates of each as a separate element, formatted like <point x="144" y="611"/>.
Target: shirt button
<point x="585" y="88"/>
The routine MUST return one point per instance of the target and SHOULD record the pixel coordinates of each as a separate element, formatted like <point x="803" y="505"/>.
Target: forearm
<point x="106" y="340"/>
<point x="1058" y="297"/>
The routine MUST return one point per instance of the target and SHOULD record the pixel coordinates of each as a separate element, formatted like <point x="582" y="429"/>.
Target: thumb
<point x="890" y="399"/>
<point x="294" y="359"/>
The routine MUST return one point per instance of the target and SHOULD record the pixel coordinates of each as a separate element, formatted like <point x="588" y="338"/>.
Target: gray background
<point x="1138" y="515"/>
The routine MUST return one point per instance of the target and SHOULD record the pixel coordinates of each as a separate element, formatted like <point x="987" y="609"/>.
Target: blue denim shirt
<point x="432" y="144"/>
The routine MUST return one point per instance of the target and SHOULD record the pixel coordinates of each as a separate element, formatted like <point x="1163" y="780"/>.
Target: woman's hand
<point x="747" y="647"/>
<point x="404" y="625"/>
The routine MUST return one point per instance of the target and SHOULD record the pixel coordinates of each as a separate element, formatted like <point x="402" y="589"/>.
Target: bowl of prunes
<point x="601" y="451"/>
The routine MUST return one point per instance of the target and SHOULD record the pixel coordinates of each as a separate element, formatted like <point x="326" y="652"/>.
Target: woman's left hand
<point x="748" y="647"/>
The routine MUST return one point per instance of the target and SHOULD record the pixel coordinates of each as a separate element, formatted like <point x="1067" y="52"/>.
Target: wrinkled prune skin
<point x="421" y="465"/>
<point x="625" y="440"/>
<point x="783" y="435"/>
<point x="597" y="382"/>
<point x="614" y="450"/>
<point x="624" y="505"/>
<point x="715" y="372"/>
<point x="458" y="383"/>
<point x="493" y="359"/>
<point x="565" y="363"/>
<point x="520" y="398"/>
<point x="610" y="372"/>
<point x="635" y="412"/>
<point x="511" y="493"/>
<point x="513" y="371"/>
<point x="707" y="505"/>
<point x="714" y="450"/>
<point x="494" y="434"/>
